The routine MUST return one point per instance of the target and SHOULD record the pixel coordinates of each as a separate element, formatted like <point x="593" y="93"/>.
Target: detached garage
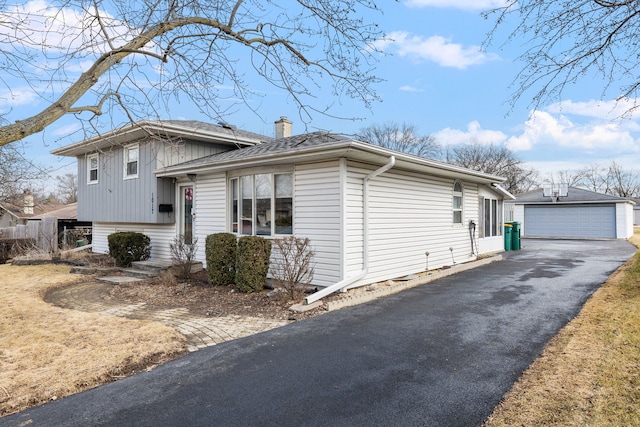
<point x="573" y="213"/>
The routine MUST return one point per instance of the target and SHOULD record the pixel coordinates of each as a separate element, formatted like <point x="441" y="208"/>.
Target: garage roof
<point x="575" y="195"/>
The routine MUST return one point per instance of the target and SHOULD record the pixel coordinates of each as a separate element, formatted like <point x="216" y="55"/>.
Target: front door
<point x="186" y="213"/>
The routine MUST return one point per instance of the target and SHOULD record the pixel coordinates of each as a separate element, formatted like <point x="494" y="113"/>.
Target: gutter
<point x="341" y="285"/>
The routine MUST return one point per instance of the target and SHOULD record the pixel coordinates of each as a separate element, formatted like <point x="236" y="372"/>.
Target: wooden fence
<point x="43" y="231"/>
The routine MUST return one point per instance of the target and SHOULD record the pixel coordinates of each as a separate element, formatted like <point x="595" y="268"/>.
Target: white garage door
<point x="579" y="221"/>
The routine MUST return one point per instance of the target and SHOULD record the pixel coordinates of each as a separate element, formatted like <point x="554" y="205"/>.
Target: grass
<point x="589" y="374"/>
<point x="47" y="352"/>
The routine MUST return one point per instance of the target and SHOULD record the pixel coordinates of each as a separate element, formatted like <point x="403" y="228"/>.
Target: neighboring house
<point x="69" y="230"/>
<point x="636" y="212"/>
<point x="12" y="215"/>
<point x="572" y="212"/>
<point x="44" y="223"/>
<point x="370" y="213"/>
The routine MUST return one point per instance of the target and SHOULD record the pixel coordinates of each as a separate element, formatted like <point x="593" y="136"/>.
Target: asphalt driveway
<point x="441" y="354"/>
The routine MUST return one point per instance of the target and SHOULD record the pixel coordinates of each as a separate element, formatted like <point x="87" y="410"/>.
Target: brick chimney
<point x="283" y="127"/>
<point x="28" y="203"/>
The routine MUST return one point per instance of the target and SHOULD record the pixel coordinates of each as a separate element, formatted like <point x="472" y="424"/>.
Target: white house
<point x="370" y="213"/>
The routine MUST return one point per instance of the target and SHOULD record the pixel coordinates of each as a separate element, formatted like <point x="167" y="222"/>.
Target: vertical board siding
<point x="161" y="236"/>
<point x="409" y="214"/>
<point x="113" y="198"/>
<point x="317" y="208"/>
<point x="210" y="199"/>
<point x="174" y="152"/>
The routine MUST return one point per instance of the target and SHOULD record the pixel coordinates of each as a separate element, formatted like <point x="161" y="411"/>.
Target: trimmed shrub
<point x="10" y="248"/>
<point x="252" y="263"/>
<point x="128" y="246"/>
<point x="220" y="252"/>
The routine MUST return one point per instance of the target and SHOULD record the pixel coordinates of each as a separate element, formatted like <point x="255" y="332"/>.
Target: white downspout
<point x="365" y="244"/>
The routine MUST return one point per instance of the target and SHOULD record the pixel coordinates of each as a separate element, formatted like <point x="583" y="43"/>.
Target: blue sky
<point x="436" y="77"/>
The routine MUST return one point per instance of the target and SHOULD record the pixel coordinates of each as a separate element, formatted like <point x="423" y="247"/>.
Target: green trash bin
<point x="515" y="236"/>
<point x="507" y="236"/>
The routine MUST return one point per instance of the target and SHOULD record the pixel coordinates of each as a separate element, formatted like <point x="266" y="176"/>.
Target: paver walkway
<point x="205" y="331"/>
<point x="200" y="331"/>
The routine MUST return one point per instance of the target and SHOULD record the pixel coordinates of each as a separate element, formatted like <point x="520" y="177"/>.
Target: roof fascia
<point x="349" y="149"/>
<point x="142" y="129"/>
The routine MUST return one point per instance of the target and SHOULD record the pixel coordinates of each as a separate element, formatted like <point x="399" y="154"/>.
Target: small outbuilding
<point x="573" y="213"/>
<point x="636" y="212"/>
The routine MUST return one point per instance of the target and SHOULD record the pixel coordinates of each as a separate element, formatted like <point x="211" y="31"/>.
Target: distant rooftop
<point x="574" y="195"/>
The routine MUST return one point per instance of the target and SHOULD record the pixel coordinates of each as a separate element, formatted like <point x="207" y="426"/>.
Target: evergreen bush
<point x="220" y="252"/>
<point x="128" y="246"/>
<point x="252" y="263"/>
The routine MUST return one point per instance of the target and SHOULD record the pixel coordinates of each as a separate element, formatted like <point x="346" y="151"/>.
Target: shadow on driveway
<point x="439" y="354"/>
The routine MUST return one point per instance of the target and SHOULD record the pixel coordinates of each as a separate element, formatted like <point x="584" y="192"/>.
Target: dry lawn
<point x="589" y="374"/>
<point x="47" y="352"/>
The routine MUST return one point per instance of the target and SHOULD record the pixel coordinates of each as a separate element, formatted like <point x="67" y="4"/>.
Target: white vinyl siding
<point x="161" y="236"/>
<point x="409" y="214"/>
<point x="210" y="202"/>
<point x="354" y="219"/>
<point x="624" y="220"/>
<point x="317" y="209"/>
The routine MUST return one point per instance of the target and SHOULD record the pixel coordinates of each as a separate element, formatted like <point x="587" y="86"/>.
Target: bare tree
<point x="136" y="57"/>
<point x="496" y="160"/>
<point x="16" y="173"/>
<point x="594" y="178"/>
<point x="623" y="183"/>
<point x="67" y="188"/>
<point x="569" y="40"/>
<point x="571" y="178"/>
<point x="402" y="138"/>
<point x="612" y="179"/>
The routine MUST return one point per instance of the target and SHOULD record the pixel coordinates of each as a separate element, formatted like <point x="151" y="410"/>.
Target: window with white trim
<point x="262" y="204"/>
<point x="490" y="211"/>
<point x="131" y="153"/>
<point x="92" y="169"/>
<point x="457" y="202"/>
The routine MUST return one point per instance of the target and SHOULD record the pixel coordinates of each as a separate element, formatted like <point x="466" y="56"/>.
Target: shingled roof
<point x="574" y="195"/>
<point x="187" y="129"/>
<point x="287" y="145"/>
<point x="318" y="146"/>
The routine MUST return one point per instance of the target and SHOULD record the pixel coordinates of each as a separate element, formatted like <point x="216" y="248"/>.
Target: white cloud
<point x="66" y="130"/>
<point x="435" y="48"/>
<point x="407" y="88"/>
<point x="544" y="129"/>
<point x="41" y="26"/>
<point x="474" y="133"/>
<point x="610" y="110"/>
<point x="470" y="5"/>
<point x="17" y="97"/>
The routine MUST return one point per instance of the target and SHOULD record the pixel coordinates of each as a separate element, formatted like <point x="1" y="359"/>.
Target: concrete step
<point x="155" y="265"/>
<point x="140" y="274"/>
